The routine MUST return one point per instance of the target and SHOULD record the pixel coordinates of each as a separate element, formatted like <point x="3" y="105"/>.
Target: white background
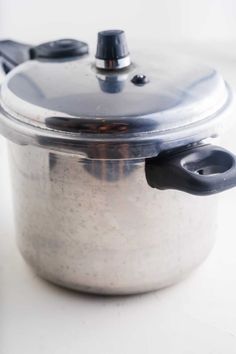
<point x="164" y="20"/>
<point x="197" y="316"/>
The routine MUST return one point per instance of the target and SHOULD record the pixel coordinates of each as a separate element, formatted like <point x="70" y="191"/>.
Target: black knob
<point x="62" y="48"/>
<point x="112" y="50"/>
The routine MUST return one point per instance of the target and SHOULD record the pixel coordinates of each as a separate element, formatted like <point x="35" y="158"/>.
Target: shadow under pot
<point x="115" y="190"/>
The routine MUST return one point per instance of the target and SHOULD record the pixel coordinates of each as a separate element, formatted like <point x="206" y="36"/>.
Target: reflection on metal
<point x="111" y="83"/>
<point x="113" y="64"/>
<point x="109" y="170"/>
<point x="101" y="168"/>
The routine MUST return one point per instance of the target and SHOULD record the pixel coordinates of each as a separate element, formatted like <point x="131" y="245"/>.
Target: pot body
<point x="97" y="226"/>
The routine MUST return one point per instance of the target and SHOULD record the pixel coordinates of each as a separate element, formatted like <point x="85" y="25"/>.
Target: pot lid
<point x="63" y="95"/>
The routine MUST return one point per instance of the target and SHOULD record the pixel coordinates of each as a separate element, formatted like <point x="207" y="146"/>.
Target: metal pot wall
<point x="113" y="195"/>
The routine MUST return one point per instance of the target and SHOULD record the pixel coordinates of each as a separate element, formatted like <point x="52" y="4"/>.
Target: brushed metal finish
<point x="97" y="226"/>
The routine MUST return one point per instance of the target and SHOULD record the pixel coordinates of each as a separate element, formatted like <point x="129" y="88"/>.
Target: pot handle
<point x="13" y="53"/>
<point x="201" y="170"/>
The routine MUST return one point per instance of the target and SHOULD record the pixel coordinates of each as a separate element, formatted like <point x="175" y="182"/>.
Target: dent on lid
<point x="73" y="96"/>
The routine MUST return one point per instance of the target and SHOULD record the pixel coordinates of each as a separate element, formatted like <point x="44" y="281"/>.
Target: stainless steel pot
<point x="115" y="187"/>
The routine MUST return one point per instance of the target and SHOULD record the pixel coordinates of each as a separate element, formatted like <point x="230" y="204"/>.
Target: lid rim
<point x="149" y="146"/>
<point x="101" y="135"/>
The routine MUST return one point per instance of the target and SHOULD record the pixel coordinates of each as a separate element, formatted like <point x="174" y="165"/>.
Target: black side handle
<point x="202" y="170"/>
<point x="13" y="53"/>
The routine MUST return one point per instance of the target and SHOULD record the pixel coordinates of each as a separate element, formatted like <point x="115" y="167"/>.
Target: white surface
<point x="197" y="316"/>
<point x="31" y="20"/>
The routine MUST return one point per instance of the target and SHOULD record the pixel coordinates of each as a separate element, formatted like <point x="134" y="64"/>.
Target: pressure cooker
<point x="114" y="176"/>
